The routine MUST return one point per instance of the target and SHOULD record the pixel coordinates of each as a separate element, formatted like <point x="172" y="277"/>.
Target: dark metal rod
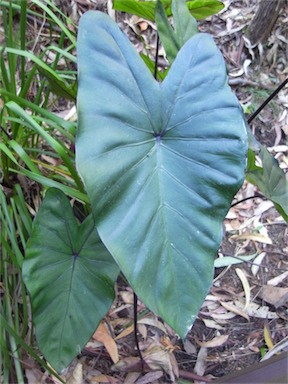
<point x="135" y="299"/>
<point x="156" y="57"/>
<point x="263" y="105"/>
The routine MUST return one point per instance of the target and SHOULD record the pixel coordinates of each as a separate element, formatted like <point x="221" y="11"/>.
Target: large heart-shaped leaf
<point x="161" y="163"/>
<point x="70" y="277"/>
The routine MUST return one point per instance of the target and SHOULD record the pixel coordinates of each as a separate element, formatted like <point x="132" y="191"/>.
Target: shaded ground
<point x="238" y="323"/>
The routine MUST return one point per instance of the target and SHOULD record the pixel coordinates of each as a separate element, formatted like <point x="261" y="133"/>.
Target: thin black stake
<point x="6" y="133"/>
<point x="156" y="57"/>
<point x="135" y="299"/>
<point x="248" y="198"/>
<point x="263" y="105"/>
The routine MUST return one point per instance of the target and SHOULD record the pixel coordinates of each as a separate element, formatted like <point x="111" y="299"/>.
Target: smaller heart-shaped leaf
<point x="270" y="179"/>
<point x="70" y="277"/>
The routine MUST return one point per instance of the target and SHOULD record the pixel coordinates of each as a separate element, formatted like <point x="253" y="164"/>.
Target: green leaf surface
<point x="21" y="341"/>
<point x="160" y="162"/>
<point x="270" y="179"/>
<point x="56" y="144"/>
<point x="168" y="36"/>
<point x="200" y="9"/>
<point x="151" y="66"/>
<point x="184" y="24"/>
<point x="225" y="261"/>
<point x="57" y="84"/>
<point x="145" y="9"/>
<point x="70" y="277"/>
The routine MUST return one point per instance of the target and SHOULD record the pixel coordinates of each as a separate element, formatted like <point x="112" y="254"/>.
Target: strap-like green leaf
<point x="184" y="23"/>
<point x="168" y="37"/>
<point x="161" y="163"/>
<point x="70" y="277"/>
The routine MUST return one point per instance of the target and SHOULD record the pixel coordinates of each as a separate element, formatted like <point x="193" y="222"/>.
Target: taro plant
<point x="160" y="162"/>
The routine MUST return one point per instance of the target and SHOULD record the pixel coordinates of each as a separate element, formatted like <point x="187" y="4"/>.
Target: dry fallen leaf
<point x="127" y="331"/>
<point x="255" y="310"/>
<point x="127" y="297"/>
<point x="104" y="379"/>
<point x="236" y="309"/>
<point x="263" y="207"/>
<point x="131" y="377"/>
<point x="277" y="280"/>
<point x="157" y="357"/>
<point x="150" y="377"/>
<point x="216" y="342"/>
<point x="254" y="237"/>
<point x="142" y="329"/>
<point x="257" y="263"/>
<point x="154" y="322"/>
<point x="212" y="324"/>
<point x="223" y="316"/>
<point x="267" y="336"/>
<point x="245" y="284"/>
<point x="201" y="363"/>
<point x="129" y="364"/>
<point x="189" y="347"/>
<point x="33" y="376"/>
<point x="102" y="335"/>
<point x="274" y="295"/>
<point x="77" y="375"/>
